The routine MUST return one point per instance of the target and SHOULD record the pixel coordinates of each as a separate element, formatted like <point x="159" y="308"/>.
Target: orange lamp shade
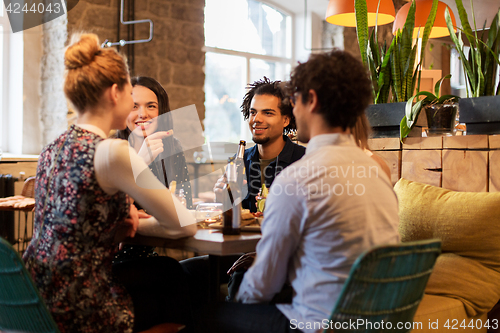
<point x="422" y="12"/>
<point x="341" y="12"/>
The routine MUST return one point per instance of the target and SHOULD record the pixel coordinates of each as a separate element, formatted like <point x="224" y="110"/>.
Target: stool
<point x="22" y="203"/>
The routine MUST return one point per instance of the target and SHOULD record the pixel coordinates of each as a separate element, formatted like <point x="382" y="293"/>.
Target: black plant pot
<point x="481" y="114"/>
<point x="385" y="119"/>
<point x="441" y="118"/>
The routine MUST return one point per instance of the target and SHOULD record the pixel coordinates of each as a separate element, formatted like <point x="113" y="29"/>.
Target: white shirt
<point x="322" y="212"/>
<point x="119" y="168"/>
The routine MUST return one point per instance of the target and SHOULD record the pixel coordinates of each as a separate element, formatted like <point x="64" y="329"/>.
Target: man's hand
<point x="243" y="262"/>
<point x="219" y="186"/>
<point x="153" y="146"/>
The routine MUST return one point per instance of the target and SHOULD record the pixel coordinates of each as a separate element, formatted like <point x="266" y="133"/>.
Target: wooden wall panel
<point x="465" y="170"/>
<point x="422" y="166"/>
<point x="466" y="142"/>
<point x="393" y="160"/>
<point x="494" y="171"/>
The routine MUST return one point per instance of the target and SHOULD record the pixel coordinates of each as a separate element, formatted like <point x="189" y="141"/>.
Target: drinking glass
<point x="208" y="213"/>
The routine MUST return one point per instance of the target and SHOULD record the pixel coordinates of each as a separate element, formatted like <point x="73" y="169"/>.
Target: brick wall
<point x="174" y="57"/>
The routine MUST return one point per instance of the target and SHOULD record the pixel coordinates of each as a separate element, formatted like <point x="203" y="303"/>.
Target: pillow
<point x="468" y="224"/>
<point x="466" y="280"/>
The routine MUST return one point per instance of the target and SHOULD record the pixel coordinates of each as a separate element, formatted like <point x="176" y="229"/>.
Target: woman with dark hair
<point x="152" y="280"/>
<point x="150" y="132"/>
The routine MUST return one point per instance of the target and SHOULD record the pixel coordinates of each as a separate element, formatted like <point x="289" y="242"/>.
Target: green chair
<point x="384" y="288"/>
<point x="22" y="309"/>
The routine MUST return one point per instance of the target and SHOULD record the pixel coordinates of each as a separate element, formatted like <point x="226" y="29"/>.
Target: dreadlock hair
<point x="273" y="88"/>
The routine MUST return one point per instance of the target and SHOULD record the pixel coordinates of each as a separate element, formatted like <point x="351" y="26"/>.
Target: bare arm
<point x="118" y="168"/>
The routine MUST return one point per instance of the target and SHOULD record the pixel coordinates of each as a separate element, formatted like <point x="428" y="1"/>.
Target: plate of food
<point x="248" y="222"/>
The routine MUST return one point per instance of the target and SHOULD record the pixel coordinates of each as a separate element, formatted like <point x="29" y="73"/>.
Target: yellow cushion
<point x="466" y="280"/>
<point x="434" y="311"/>
<point x="468" y="224"/>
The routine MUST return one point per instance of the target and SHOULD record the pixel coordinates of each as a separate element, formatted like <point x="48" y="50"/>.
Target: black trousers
<point x="244" y="318"/>
<point x="158" y="288"/>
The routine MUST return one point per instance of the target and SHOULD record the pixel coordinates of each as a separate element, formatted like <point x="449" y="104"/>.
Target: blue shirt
<point x="291" y="152"/>
<point x="322" y="212"/>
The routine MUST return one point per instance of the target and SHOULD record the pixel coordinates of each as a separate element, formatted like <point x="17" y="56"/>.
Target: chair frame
<point x="22" y="308"/>
<point x="386" y="283"/>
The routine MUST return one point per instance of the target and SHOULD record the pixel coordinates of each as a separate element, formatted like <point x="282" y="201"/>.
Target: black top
<point x="176" y="169"/>
<point x="290" y="153"/>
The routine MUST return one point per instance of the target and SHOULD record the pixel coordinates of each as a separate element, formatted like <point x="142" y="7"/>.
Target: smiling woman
<point x="150" y="131"/>
<point x="143" y="118"/>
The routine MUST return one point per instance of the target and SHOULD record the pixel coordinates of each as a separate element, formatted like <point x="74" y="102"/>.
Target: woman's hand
<point x="243" y="262"/>
<point x="129" y="226"/>
<point x="153" y="146"/>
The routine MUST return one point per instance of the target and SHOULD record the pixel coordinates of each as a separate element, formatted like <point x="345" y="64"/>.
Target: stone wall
<point x="53" y="107"/>
<point x="175" y="56"/>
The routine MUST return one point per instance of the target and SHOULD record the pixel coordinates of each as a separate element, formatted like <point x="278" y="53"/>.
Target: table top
<point x="207" y="241"/>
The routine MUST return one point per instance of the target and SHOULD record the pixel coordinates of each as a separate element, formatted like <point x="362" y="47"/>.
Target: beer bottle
<point x="232" y="205"/>
<point x="240" y="164"/>
<point x="235" y="172"/>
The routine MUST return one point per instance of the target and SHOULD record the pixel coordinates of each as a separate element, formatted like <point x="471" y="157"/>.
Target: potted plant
<point x="441" y="111"/>
<point x="481" y="114"/>
<point x="394" y="71"/>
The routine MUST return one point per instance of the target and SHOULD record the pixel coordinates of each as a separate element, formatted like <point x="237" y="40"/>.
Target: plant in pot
<point x="481" y="72"/>
<point x="441" y="111"/>
<point x="394" y="71"/>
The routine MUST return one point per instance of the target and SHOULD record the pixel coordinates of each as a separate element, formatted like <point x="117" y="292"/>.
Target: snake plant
<point x="375" y="58"/>
<point x="480" y="66"/>
<point x="394" y="68"/>
<point x="413" y="110"/>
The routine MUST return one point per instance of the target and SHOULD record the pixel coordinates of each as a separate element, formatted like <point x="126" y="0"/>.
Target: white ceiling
<point x="297" y="6"/>
<point x="483" y="9"/>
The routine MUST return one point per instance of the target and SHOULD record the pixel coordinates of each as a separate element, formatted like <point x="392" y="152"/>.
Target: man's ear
<point x="313" y="102"/>
<point x="286" y="121"/>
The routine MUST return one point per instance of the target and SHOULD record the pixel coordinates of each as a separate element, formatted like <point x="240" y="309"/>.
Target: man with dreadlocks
<point x="269" y="114"/>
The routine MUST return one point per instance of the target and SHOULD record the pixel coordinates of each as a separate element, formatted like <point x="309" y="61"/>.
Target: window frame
<point x="249" y="56"/>
<point x="11" y="107"/>
<point x="4" y="75"/>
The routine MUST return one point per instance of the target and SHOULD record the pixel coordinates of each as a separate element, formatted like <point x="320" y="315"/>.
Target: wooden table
<point x="209" y="241"/>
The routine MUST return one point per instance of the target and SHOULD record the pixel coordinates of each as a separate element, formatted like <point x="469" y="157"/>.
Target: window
<point x="245" y="40"/>
<point x="457" y="80"/>
<point x="3" y="67"/>
<point x="11" y="86"/>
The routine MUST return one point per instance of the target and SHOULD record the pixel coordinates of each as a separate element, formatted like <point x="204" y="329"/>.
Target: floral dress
<point x="70" y="257"/>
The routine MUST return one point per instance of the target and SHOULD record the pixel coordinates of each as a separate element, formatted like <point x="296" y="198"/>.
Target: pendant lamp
<point x="341" y="12"/>
<point x="422" y="12"/>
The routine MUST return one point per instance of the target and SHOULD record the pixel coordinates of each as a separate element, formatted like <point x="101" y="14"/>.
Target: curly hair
<point x="340" y="82"/>
<point x="273" y="88"/>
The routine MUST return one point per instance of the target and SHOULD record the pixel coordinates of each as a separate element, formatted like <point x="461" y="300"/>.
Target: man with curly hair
<point x="267" y="109"/>
<point x="322" y="211"/>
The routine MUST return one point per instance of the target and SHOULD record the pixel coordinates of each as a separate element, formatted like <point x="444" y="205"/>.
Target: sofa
<point x="465" y="282"/>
